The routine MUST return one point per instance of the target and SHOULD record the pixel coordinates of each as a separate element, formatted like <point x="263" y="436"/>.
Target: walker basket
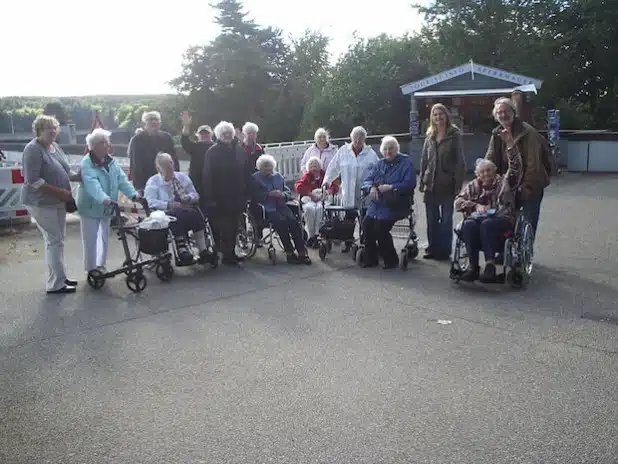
<point x="154" y="241"/>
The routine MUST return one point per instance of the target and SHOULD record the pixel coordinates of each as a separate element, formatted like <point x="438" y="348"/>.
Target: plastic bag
<point x="156" y="221"/>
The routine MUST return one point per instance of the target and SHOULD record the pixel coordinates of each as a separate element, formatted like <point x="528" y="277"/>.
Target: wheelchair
<point x="516" y="257"/>
<point x="212" y="257"/>
<point x="251" y="235"/>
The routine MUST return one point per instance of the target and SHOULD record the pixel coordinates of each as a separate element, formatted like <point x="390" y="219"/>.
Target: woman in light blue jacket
<point x="102" y="180"/>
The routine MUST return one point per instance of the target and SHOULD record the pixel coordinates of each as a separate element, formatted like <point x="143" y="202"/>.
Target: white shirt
<point x="158" y="193"/>
<point x="353" y="170"/>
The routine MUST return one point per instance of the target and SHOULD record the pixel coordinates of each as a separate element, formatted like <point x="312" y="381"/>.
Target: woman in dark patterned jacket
<point x="488" y="202"/>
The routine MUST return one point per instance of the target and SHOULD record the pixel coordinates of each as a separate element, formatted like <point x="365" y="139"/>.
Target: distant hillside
<point x="17" y="113"/>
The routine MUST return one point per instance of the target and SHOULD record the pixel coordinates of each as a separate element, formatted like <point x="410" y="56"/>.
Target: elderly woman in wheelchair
<point x="490" y="213"/>
<point x="273" y="195"/>
<point x="173" y="192"/>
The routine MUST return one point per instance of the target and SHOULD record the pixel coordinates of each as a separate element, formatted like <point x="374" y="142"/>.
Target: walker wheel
<point x="137" y="282"/>
<point x="322" y="251"/>
<point x="95" y="279"/>
<point x="412" y="251"/>
<point x="164" y="271"/>
<point x="272" y="256"/>
<point x="403" y="260"/>
<point x="514" y="278"/>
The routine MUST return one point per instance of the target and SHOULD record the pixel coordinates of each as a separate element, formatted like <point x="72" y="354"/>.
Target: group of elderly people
<point x="226" y="173"/>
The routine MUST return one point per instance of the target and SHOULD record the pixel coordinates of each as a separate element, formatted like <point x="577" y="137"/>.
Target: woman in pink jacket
<point x="322" y="150"/>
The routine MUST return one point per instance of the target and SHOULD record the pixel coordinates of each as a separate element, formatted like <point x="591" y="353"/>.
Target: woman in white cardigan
<point x="173" y="192"/>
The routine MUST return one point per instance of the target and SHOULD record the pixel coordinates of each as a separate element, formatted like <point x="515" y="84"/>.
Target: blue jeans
<point x="439" y="225"/>
<point x="532" y="210"/>
<point x="486" y="234"/>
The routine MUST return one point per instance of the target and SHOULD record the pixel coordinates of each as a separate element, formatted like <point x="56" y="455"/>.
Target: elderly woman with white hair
<point x="145" y="146"/>
<point x="272" y="193"/>
<point x="389" y="187"/>
<point x="252" y="149"/>
<point x="321" y="149"/>
<point x="488" y="204"/>
<point x="312" y="196"/>
<point x="227" y="180"/>
<point x="352" y="163"/>
<point x="102" y="180"/>
<point x="173" y="192"/>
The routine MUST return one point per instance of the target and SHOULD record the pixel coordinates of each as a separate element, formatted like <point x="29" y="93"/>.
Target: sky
<point x="85" y="47"/>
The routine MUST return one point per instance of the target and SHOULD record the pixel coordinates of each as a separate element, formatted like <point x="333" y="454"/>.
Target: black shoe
<point x="489" y="273"/>
<point x="346" y="248"/>
<point x="471" y="274"/>
<point x="185" y="256"/>
<point x="71" y="282"/>
<point x="428" y="254"/>
<point x="63" y="290"/>
<point x="390" y="265"/>
<point x="205" y="257"/>
<point x="292" y="258"/>
<point x="304" y="259"/>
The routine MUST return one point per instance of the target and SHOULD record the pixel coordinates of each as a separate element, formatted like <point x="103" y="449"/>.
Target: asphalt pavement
<point x="321" y="364"/>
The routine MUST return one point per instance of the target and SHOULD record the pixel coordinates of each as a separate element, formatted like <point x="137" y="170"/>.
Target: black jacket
<point x="144" y="151"/>
<point x="197" y="153"/>
<point x="226" y="177"/>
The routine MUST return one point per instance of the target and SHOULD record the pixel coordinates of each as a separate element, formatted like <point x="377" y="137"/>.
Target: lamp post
<point x="10" y="113"/>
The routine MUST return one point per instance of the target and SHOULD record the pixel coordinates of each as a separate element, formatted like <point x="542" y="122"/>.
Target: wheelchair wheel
<point x="526" y="250"/>
<point x="323" y="251"/>
<point x="137" y="282"/>
<point x="460" y="262"/>
<point x="246" y="237"/>
<point x="272" y="255"/>
<point x="403" y="260"/>
<point x="355" y="249"/>
<point x="359" y="255"/>
<point x="95" y="279"/>
<point x="164" y="271"/>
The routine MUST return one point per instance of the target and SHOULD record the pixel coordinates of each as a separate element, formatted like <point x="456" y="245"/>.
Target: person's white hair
<point x="264" y="160"/>
<point x="97" y="136"/>
<point x="503" y="101"/>
<point x="321" y="132"/>
<point x="250" y="128"/>
<point x="314" y="160"/>
<point x="224" y="127"/>
<point x="358" y="131"/>
<point x="389" y="141"/>
<point x="162" y="158"/>
<point x="150" y="115"/>
<point x="482" y="162"/>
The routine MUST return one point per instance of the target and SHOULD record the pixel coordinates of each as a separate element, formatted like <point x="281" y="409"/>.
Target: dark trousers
<point x="224" y="224"/>
<point x="288" y="228"/>
<point x="486" y="234"/>
<point x="439" y="212"/>
<point x="186" y="219"/>
<point x="379" y="241"/>
<point x="532" y="210"/>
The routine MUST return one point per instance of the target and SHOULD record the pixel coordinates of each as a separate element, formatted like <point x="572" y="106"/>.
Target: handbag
<point x="70" y="206"/>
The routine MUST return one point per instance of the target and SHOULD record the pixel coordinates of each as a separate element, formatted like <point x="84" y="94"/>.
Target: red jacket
<point x="308" y="183"/>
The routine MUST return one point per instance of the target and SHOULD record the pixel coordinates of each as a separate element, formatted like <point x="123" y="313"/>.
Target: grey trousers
<point x="51" y="221"/>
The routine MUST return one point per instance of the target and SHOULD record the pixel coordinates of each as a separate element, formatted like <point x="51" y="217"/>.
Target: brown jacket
<point x="443" y="165"/>
<point x="535" y="176"/>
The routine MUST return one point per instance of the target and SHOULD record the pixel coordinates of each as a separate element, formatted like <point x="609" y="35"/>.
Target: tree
<point x="57" y="110"/>
<point x="240" y="74"/>
<point x="364" y="87"/>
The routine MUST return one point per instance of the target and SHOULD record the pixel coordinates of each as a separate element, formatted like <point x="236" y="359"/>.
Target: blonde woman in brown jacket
<point x="443" y="168"/>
